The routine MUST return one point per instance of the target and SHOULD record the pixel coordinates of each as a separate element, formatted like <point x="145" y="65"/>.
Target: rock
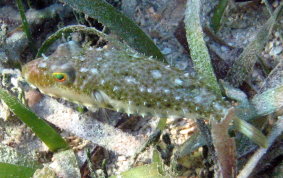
<point x="276" y="50"/>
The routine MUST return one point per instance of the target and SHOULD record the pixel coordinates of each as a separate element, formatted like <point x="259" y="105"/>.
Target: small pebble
<point x="231" y="44"/>
<point x="276" y="50"/>
<point x="166" y="51"/>
<point x="33" y="97"/>
<point x="121" y="158"/>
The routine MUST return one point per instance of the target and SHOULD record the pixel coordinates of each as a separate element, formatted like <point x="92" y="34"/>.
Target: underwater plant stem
<point x="225" y="146"/>
<point x="269" y="8"/>
<point x="243" y="66"/>
<point x="218" y="14"/>
<point x="249" y="167"/>
<point x="161" y="123"/>
<point x="198" y="49"/>
<point x="25" y="25"/>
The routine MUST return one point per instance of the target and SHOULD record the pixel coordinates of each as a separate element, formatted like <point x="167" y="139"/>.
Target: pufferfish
<point x="124" y="81"/>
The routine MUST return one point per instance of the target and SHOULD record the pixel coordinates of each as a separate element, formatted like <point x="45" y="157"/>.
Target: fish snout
<point x="30" y="70"/>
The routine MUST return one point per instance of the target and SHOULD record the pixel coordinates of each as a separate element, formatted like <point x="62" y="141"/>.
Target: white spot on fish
<point x="115" y="88"/>
<point x="94" y="71"/>
<point x="102" y="82"/>
<point x="142" y="89"/>
<point x="53" y="67"/>
<point x="65" y="66"/>
<point x="198" y="99"/>
<point x="166" y="90"/>
<point x="156" y="74"/>
<point x="149" y="90"/>
<point x="83" y="69"/>
<point x="178" y="98"/>
<point x="131" y="80"/>
<point x="178" y="81"/>
<point x="186" y="75"/>
<point x="42" y="65"/>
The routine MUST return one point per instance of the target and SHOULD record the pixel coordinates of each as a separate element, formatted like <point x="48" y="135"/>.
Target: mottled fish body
<point x="125" y="81"/>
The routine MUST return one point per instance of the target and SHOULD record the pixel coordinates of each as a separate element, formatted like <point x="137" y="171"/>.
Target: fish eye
<point x="64" y="74"/>
<point x="60" y="76"/>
